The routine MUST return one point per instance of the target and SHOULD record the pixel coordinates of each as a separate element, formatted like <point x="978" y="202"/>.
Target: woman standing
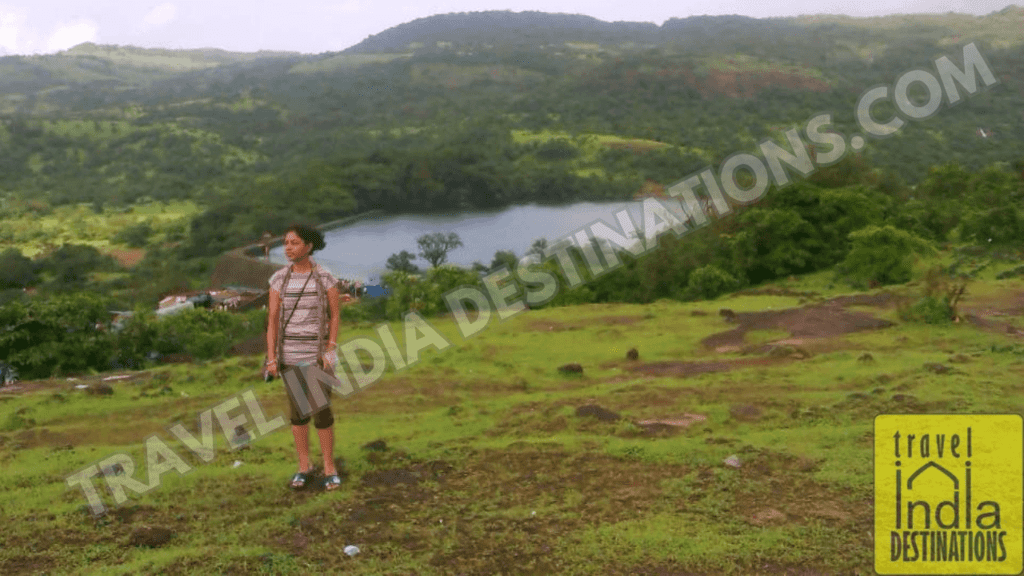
<point x="302" y="329"/>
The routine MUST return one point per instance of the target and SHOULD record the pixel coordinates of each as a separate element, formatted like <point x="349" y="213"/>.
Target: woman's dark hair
<point x="309" y="235"/>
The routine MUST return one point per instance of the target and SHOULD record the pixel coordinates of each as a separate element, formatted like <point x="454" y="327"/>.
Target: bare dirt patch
<point x="67" y="385"/>
<point x="552" y="326"/>
<point x="805" y="324"/>
<point x="490" y="506"/>
<point x="776" y="484"/>
<point x="128" y="257"/>
<point x="996" y="313"/>
<point x="880" y="300"/>
<point x="604" y="490"/>
<point x="818" y="321"/>
<point x="993" y="326"/>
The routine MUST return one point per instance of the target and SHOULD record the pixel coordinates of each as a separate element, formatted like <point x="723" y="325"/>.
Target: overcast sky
<point x="316" y="26"/>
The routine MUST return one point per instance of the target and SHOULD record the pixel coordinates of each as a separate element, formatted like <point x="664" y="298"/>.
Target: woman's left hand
<point x="330" y="358"/>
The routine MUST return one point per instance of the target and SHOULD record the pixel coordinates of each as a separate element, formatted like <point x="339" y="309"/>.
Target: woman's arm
<point x="332" y="301"/>
<point x="273" y="321"/>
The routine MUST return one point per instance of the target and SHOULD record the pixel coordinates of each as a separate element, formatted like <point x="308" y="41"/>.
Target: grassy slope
<point x="512" y="479"/>
<point x="342" y="61"/>
<point x="81" y="225"/>
<point x="590" y="146"/>
<point x="1001" y="29"/>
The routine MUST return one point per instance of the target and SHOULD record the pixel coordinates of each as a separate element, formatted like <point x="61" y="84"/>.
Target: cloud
<point x="160" y="16"/>
<point x="349" y="7"/>
<point x="72" y="34"/>
<point x="10" y="27"/>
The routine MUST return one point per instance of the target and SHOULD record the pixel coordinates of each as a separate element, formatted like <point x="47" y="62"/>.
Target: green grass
<point x="79" y="224"/>
<point x="591" y="144"/>
<point x="519" y="482"/>
<point x="343" y="61"/>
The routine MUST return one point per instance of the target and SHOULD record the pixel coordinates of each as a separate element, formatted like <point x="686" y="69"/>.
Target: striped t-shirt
<point x="300" y="338"/>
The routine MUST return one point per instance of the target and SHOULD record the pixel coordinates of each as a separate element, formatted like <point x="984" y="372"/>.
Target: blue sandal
<point x="332" y="482"/>
<point x="300" y="480"/>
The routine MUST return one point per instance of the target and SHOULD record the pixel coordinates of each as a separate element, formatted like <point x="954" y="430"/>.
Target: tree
<point x="70" y="265"/>
<point x="773" y="243"/>
<point x="402" y="262"/>
<point x="538" y="247"/>
<point x="434" y="248"/>
<point x="1000" y="225"/>
<point x="16" y="271"/>
<point x="504" y="258"/>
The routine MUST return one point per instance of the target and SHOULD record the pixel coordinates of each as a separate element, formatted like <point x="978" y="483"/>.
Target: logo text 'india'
<point x="949" y="497"/>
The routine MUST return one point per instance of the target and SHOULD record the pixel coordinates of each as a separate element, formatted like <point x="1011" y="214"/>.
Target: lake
<point x="359" y="251"/>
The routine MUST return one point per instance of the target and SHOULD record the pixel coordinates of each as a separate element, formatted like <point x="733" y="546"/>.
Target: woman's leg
<point x="301" y="434"/>
<point x="327" y="449"/>
<point x="324" y="423"/>
<point x="300" y="426"/>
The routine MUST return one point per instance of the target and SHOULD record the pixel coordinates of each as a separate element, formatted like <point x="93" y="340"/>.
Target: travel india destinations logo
<point x="949" y="494"/>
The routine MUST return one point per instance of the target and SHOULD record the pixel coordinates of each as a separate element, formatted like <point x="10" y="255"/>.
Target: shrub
<point x="47" y="336"/>
<point x="708" y="282"/>
<point x="136" y="236"/>
<point x="928" y="310"/>
<point x="200" y="333"/>
<point x="881" y="256"/>
<point x="369" y="308"/>
<point x="424" y="293"/>
<point x="938" y="304"/>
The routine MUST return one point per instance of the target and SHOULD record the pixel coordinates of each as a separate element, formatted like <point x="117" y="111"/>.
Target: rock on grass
<point x="745" y="412"/>
<point x="99" y="389"/>
<point x="151" y="536"/>
<point x="571" y="369"/>
<point x="598" y="412"/>
<point x="377" y="445"/>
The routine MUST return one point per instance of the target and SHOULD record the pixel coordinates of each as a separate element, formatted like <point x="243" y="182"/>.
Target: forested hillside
<point x="483" y="110"/>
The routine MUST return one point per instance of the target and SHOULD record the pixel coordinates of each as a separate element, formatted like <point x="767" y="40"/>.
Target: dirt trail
<point x="822" y="320"/>
<point x="815" y="321"/>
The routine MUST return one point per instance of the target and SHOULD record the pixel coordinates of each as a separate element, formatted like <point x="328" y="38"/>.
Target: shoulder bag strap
<point x="280" y="336"/>
<point x="301" y="292"/>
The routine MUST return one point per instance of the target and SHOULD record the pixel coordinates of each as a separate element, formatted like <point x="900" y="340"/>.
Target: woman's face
<point x="295" y="248"/>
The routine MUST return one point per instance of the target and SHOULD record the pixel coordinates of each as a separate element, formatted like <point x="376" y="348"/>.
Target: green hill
<point x="430" y="115"/>
<point x="726" y="447"/>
